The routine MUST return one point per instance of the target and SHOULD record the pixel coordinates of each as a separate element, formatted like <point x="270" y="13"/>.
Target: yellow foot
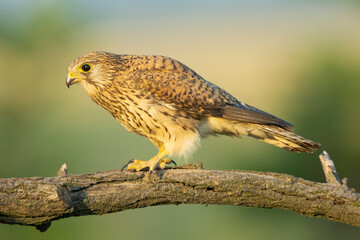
<point x="138" y="165"/>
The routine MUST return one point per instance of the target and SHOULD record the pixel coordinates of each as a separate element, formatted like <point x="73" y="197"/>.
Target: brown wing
<point x="173" y="84"/>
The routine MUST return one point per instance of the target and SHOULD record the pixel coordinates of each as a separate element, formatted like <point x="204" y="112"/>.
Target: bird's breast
<point x="145" y="116"/>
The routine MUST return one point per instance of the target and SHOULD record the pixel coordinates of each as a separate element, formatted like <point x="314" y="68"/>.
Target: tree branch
<point x="36" y="201"/>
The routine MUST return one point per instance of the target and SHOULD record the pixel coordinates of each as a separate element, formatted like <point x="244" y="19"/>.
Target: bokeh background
<point x="299" y="60"/>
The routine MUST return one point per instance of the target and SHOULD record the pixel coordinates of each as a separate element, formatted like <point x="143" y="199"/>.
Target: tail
<point x="276" y="135"/>
<point x="284" y="138"/>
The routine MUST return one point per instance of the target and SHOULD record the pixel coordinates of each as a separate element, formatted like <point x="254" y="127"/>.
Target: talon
<point x="125" y="166"/>
<point x="162" y="163"/>
<point x="150" y="165"/>
<point x="169" y="161"/>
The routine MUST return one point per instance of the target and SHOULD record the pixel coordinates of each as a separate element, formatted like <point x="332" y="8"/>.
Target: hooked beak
<point x="71" y="79"/>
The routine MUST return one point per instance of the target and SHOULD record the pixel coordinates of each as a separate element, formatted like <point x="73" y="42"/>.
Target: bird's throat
<point x="90" y="89"/>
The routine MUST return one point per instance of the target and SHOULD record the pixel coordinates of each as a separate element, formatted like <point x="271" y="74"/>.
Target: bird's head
<point x="94" y="70"/>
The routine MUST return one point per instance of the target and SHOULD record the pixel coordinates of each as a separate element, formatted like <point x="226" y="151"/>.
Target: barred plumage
<point x="162" y="99"/>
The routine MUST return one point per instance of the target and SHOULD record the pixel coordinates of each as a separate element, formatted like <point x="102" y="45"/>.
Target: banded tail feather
<point x="286" y="139"/>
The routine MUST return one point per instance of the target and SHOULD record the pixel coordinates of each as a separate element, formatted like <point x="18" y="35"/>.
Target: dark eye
<point x="86" y="67"/>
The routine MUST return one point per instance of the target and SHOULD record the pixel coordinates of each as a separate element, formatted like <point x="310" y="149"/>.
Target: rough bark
<point x="36" y="201"/>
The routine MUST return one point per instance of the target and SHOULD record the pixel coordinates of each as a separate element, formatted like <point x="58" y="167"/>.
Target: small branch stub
<point x="62" y="171"/>
<point x="329" y="169"/>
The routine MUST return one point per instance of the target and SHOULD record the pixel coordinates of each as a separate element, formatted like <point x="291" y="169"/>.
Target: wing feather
<point x="173" y="84"/>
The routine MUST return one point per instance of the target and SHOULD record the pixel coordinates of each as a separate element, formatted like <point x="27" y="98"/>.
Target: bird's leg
<point x="156" y="161"/>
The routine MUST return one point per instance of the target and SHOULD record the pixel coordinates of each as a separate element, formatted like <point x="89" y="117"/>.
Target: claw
<point x="172" y="161"/>
<point x="162" y="164"/>
<point x="125" y="166"/>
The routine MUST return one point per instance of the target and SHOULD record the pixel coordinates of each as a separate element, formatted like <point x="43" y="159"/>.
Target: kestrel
<point x="165" y="101"/>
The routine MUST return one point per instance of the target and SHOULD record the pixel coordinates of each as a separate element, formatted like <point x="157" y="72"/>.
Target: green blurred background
<point x="299" y="60"/>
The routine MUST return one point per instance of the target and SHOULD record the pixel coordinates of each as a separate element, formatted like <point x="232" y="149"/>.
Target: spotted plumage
<point x="165" y="101"/>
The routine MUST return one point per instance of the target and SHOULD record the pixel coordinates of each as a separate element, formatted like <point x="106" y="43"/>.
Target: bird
<point x="162" y="99"/>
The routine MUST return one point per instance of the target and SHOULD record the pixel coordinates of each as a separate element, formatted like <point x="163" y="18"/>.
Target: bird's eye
<point x="86" y="67"/>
